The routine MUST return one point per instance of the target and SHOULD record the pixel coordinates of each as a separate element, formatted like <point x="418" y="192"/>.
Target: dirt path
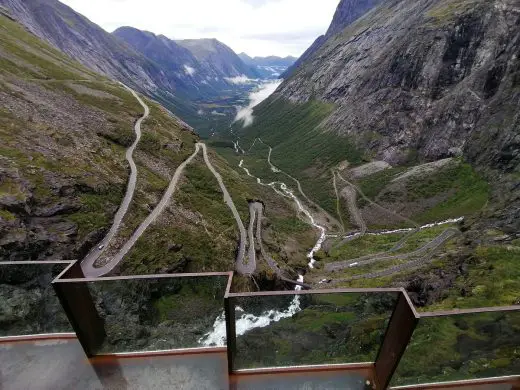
<point x="353" y="237"/>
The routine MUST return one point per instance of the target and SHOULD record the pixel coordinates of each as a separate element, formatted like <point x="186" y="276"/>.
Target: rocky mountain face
<point x="347" y="12"/>
<point x="412" y="83"/>
<point x="439" y="78"/>
<point x="217" y="58"/>
<point x="88" y="43"/>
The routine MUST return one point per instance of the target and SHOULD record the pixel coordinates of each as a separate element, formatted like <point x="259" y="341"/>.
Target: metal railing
<point x="374" y="331"/>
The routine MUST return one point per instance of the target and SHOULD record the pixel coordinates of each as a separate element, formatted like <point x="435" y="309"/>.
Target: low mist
<point x="255" y="98"/>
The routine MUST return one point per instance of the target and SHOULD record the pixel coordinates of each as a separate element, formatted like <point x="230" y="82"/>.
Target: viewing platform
<point x="61" y="331"/>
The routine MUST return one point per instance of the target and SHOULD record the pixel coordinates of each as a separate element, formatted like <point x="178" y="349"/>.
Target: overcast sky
<point x="257" y="27"/>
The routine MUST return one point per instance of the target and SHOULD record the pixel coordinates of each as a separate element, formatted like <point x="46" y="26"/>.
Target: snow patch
<point x="189" y="70"/>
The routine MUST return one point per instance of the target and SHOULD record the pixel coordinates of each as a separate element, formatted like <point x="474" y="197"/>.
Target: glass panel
<point x="157" y="314"/>
<point x="310" y="329"/>
<point x="28" y="304"/>
<point x="458" y="347"/>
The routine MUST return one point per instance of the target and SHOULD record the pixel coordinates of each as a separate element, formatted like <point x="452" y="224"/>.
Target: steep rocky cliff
<point x="347" y="12"/>
<point x="436" y="77"/>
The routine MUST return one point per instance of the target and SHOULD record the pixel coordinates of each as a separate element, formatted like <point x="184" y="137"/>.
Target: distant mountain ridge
<point x="267" y="61"/>
<point x="206" y="64"/>
<point x="177" y="74"/>
<point x="270" y="67"/>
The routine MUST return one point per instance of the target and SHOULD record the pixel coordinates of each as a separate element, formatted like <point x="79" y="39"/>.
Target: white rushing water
<point x="246" y="322"/>
<point x="404" y="230"/>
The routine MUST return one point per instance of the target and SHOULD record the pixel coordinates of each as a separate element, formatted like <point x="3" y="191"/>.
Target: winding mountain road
<point x="256" y="210"/>
<point x="242" y="267"/>
<point x="370" y="259"/>
<point x="87" y="263"/>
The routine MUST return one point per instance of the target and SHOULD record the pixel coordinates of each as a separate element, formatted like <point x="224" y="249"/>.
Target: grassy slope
<point x="300" y="146"/>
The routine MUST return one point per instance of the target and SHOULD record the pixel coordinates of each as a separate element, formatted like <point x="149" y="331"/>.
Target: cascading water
<point x="247" y="322"/>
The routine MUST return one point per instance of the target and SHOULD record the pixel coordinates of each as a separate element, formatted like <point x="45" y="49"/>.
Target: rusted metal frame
<point x="398" y="334"/>
<point x="39" y="262"/>
<point x="368" y="366"/>
<point x="36" y="337"/>
<point x="76" y="300"/>
<point x="80" y="307"/>
<point x="63" y="279"/>
<point x="317" y="292"/>
<point x="469" y="383"/>
<point x="231" y="334"/>
<point x="446" y="313"/>
<point x="165" y="352"/>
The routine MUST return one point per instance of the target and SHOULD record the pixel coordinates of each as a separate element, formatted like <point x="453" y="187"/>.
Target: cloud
<point x="259" y="3"/>
<point x="245" y="114"/>
<point x="242" y="79"/>
<point x="257" y="27"/>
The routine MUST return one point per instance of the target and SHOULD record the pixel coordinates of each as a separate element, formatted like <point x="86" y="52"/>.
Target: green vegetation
<point x="373" y="184"/>
<point x="97" y="209"/>
<point x="331" y="328"/>
<point x="493" y="279"/>
<point x="4" y="214"/>
<point x="363" y="246"/>
<point x="446" y="12"/>
<point x="465" y="347"/>
<point x="301" y="147"/>
<point x="469" y="192"/>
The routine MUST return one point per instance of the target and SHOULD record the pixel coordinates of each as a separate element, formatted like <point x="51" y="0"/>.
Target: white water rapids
<point x="247" y="322"/>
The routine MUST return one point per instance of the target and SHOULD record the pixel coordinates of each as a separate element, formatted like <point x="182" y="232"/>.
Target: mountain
<point x="205" y="63"/>
<point x="416" y="104"/>
<point x="83" y="40"/>
<point x="218" y="57"/>
<point x="268" y="61"/>
<point x="64" y="132"/>
<point x="270" y="67"/>
<point x="181" y="75"/>
<point x="346" y="13"/>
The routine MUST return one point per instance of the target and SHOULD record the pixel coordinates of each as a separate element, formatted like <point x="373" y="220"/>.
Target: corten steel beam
<point x="398" y="334"/>
<point x="79" y="306"/>
<point x="513" y="381"/>
<point x="231" y="334"/>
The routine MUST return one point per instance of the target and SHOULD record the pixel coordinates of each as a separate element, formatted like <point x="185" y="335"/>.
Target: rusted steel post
<point x="231" y="335"/>
<point x="398" y="334"/>
<point x="75" y="297"/>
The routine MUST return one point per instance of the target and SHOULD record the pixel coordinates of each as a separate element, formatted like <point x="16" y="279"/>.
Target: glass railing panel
<point x="310" y="329"/>
<point x="461" y="347"/>
<point x="150" y="314"/>
<point x="28" y="303"/>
